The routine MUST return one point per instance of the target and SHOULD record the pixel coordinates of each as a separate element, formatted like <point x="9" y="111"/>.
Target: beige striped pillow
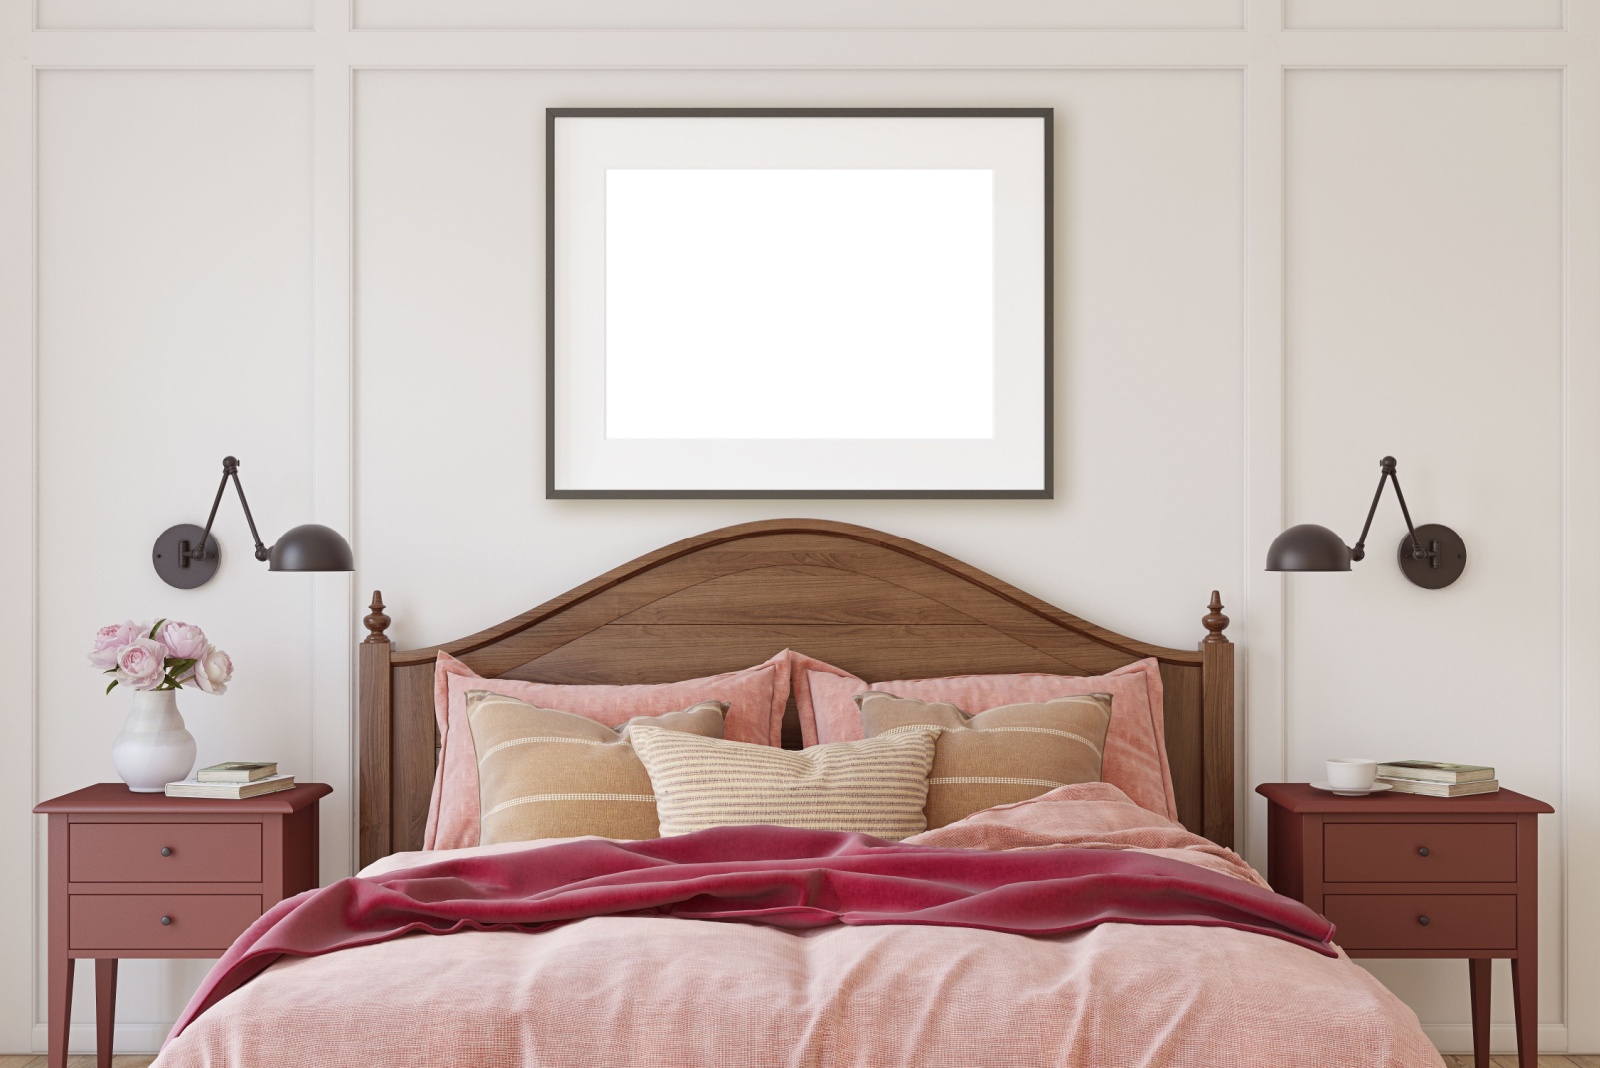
<point x="877" y="786"/>
<point x="1006" y="754"/>
<point x="549" y="774"/>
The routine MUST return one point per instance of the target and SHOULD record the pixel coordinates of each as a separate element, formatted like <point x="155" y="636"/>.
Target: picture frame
<point x="799" y="302"/>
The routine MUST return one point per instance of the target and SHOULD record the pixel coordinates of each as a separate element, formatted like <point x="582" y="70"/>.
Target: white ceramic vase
<point x="154" y="748"/>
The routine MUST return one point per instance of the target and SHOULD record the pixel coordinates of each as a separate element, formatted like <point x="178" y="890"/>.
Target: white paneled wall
<point x="174" y="328"/>
<point x="1423" y="280"/>
<point x="309" y="232"/>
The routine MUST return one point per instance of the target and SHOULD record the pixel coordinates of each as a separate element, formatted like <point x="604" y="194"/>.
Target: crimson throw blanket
<point x="781" y="876"/>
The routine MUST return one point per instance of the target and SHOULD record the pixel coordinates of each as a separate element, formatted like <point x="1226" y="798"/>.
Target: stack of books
<point x="1435" y="778"/>
<point x="233" y="780"/>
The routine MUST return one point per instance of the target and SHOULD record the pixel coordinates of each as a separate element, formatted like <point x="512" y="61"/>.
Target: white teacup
<point x="1352" y="773"/>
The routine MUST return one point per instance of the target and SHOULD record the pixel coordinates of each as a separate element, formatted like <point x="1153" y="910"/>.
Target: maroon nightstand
<point x="146" y="875"/>
<point x="1408" y="876"/>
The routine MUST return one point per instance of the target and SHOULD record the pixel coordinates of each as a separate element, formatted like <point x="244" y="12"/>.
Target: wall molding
<point x="336" y="45"/>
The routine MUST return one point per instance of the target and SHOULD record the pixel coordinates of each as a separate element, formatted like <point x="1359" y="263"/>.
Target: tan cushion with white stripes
<point x="549" y="774"/>
<point x="1006" y="754"/>
<point x="877" y="786"/>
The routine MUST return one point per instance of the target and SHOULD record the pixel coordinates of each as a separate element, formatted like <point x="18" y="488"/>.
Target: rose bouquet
<point x="165" y="655"/>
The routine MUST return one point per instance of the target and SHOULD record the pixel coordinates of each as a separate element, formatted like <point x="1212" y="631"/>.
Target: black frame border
<point x="1045" y="492"/>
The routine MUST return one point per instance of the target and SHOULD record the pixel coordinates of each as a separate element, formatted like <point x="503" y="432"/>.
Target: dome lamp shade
<point x="1308" y="547"/>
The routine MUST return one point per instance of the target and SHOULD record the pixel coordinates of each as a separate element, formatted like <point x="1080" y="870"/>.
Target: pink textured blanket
<point x="778" y="876"/>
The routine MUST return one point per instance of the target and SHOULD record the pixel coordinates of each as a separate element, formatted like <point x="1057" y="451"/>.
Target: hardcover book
<point x="1442" y="789"/>
<point x="229" y="791"/>
<point x="237" y="771"/>
<point x="1434" y="771"/>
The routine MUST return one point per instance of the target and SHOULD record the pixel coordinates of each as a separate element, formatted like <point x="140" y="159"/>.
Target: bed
<point x="653" y="990"/>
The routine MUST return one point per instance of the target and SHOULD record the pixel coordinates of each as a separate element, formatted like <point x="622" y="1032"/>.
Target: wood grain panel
<point x="375" y="727"/>
<point x="872" y="603"/>
<point x="790" y="593"/>
<point x="416" y="739"/>
<point x="627" y="653"/>
<point x="1185" y="755"/>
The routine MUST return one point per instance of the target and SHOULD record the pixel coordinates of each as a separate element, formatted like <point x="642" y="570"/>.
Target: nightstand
<point x="146" y="875"/>
<point x="1408" y="876"/>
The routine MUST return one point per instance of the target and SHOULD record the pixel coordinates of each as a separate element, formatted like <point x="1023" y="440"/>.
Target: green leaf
<point x="113" y="686"/>
<point x="157" y="627"/>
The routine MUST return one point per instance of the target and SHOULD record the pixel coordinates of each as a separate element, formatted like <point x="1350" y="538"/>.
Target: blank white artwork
<point x="827" y="303"/>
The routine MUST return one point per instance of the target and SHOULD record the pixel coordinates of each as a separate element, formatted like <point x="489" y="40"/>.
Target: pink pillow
<point x="756" y="698"/>
<point x="1136" y="748"/>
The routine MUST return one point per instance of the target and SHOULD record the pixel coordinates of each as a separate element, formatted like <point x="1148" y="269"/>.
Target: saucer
<point x="1376" y="788"/>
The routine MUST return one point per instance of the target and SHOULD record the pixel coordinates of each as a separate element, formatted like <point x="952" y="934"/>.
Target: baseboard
<point x="125" y="1038"/>
<point x="1457" y="1038"/>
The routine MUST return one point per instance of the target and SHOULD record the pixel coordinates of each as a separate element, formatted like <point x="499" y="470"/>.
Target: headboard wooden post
<point x="1216" y="670"/>
<point x="375" y="735"/>
<point x="879" y="606"/>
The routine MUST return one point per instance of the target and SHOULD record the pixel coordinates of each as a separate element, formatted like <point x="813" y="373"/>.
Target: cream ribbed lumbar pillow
<point x="877" y="786"/>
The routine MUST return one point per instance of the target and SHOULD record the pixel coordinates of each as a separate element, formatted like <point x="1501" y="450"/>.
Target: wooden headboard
<point x="880" y="606"/>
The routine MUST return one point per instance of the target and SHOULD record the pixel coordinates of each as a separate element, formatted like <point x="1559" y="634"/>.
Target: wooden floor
<point x="36" y="1060"/>
<point x="1454" y="1060"/>
<point x="1464" y="1060"/>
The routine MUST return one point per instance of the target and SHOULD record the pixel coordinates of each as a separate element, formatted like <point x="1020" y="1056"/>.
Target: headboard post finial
<point x="376" y="621"/>
<point x="1215" y="622"/>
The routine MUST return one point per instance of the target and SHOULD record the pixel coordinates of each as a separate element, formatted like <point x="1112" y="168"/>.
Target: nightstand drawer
<point x="195" y="853"/>
<point x="1419" y="853"/>
<point x="133" y="921"/>
<point x="1396" y="921"/>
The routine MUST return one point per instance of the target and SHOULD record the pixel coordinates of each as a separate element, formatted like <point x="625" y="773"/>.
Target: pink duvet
<point x="670" y="991"/>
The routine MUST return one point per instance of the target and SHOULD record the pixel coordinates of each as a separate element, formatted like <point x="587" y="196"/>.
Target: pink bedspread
<point x="651" y="990"/>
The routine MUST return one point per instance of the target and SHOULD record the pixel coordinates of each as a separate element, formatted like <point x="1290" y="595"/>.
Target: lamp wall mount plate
<point x="1445" y="559"/>
<point x="176" y="562"/>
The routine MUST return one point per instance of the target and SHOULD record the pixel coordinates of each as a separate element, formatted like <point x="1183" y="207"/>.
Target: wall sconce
<point x="1432" y="556"/>
<point x="187" y="556"/>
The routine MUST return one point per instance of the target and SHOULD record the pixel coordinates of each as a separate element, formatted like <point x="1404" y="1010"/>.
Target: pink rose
<point x="141" y="664"/>
<point x="213" y="670"/>
<point x="108" y="642"/>
<point x="183" y="640"/>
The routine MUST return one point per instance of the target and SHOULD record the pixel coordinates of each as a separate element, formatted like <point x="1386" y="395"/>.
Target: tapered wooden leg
<point x="1525" y="993"/>
<point x="105" y="1008"/>
<point x="1478" y="975"/>
<point x="60" y="1008"/>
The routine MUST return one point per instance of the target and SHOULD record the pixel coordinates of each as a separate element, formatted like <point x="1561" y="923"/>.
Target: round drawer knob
<point x="166" y="921"/>
<point x="1422" y="852"/>
<point x="166" y="851"/>
<point x="1420" y="919"/>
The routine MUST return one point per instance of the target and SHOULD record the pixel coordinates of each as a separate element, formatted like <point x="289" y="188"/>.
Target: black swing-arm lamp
<point x="187" y="556"/>
<point x="1432" y="555"/>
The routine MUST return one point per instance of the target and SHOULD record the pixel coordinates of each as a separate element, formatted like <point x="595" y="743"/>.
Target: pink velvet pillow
<point x="1136" y="748"/>
<point x="756" y="698"/>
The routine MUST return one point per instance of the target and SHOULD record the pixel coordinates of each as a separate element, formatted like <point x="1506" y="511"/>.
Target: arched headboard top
<point x="872" y="603"/>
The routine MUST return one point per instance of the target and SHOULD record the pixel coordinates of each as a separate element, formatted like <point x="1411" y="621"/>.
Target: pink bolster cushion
<point x="756" y="698"/>
<point x="1136" y="749"/>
